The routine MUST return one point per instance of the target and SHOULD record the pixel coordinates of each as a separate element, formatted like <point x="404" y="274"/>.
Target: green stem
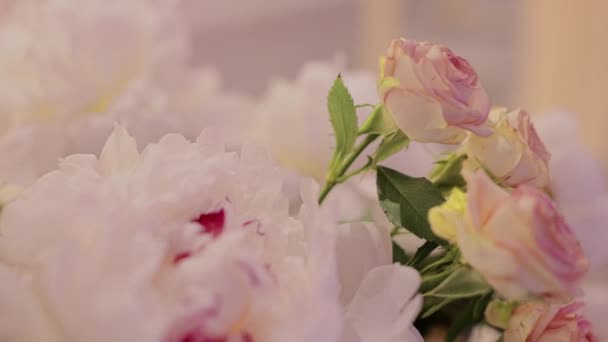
<point x="439" y="262"/>
<point x="421" y="253"/>
<point x="447" y="258"/>
<point x="364" y="168"/>
<point x="350" y="158"/>
<point x="429" y="282"/>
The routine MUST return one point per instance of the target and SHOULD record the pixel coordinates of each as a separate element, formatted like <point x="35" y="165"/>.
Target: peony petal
<point x="119" y="154"/>
<point x="21" y="309"/>
<point x="384" y="303"/>
<point x="359" y="249"/>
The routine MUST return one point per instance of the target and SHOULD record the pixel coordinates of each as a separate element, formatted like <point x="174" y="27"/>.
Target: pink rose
<point x="539" y="322"/>
<point x="432" y="94"/>
<point x="518" y="241"/>
<point x="514" y="153"/>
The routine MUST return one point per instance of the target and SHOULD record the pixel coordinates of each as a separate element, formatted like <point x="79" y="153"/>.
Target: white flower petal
<point x="140" y="255"/>
<point x="21" y="309"/>
<point x="360" y="248"/>
<point x="119" y="154"/>
<point x="384" y="303"/>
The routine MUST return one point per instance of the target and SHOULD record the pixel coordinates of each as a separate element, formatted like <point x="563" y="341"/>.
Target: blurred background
<point x="542" y="55"/>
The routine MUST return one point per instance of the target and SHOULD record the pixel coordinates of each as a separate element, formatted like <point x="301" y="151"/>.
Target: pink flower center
<point x="212" y="223"/>
<point x="195" y="337"/>
<point x="181" y="256"/>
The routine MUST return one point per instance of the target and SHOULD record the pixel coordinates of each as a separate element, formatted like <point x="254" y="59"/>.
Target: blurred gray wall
<point x="254" y="41"/>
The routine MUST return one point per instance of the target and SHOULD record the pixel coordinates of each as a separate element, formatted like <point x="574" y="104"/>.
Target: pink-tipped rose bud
<point x="518" y="241"/>
<point x="514" y="153"/>
<point x="540" y="322"/>
<point x="432" y="94"/>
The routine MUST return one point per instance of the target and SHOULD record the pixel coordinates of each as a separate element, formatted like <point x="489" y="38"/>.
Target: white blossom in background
<point x="581" y="192"/>
<point x="292" y="120"/>
<point x="66" y="58"/>
<point x="197" y="102"/>
<point x="577" y="182"/>
<point x="124" y="60"/>
<point x="292" y="117"/>
<point x="187" y="242"/>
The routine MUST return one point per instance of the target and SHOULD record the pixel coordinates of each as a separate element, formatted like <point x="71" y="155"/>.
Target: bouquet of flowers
<point x="162" y="223"/>
<point x="496" y="248"/>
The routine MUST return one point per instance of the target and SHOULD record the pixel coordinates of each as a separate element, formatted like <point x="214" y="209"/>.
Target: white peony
<point x="66" y="58"/>
<point x="292" y="117"/>
<point x="187" y="242"/>
<point x="127" y="60"/>
<point x="198" y="101"/>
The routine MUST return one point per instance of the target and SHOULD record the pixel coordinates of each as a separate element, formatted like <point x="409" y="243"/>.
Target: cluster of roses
<point x="505" y="253"/>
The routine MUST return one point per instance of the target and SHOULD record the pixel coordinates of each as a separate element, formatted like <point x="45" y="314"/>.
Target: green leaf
<point x="435" y="305"/>
<point x="471" y="315"/>
<point x="464" y="282"/>
<point x="447" y="172"/>
<point x="479" y="309"/>
<point x="440" y="262"/>
<point x="379" y="121"/>
<point x="421" y="253"/>
<point x="432" y="279"/>
<point x="343" y="117"/>
<point x="406" y="201"/>
<point x="391" y="144"/>
<point x="399" y="254"/>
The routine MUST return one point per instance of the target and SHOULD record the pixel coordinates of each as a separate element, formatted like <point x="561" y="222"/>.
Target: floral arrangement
<point x="504" y="253"/>
<point x="158" y="227"/>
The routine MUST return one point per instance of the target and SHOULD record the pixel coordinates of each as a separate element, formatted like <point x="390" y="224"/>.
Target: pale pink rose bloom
<point x="514" y="153"/>
<point x="519" y="242"/>
<point x="432" y="94"/>
<point x="541" y="322"/>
